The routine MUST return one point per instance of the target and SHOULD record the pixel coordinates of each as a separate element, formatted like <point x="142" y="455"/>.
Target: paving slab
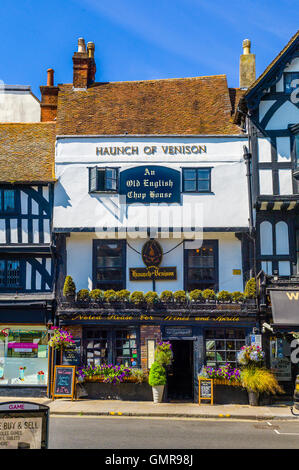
<point x="81" y="407"/>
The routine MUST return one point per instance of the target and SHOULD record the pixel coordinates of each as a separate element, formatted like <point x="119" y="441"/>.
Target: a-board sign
<point x="205" y="390"/>
<point x="64" y="381"/>
<point x="72" y="355"/>
<point x="23" y="425"/>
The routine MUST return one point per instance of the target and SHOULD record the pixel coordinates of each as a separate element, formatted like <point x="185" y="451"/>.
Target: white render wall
<point x="225" y="206"/>
<point x="18" y="105"/>
<point x="79" y="261"/>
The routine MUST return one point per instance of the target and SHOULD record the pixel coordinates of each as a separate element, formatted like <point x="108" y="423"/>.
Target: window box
<point x="124" y="391"/>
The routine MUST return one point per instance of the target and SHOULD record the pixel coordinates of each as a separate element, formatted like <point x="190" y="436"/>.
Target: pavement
<point x="85" y="407"/>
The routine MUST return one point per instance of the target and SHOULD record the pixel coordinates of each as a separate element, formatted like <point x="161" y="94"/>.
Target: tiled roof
<point x="200" y="105"/>
<point x="27" y="152"/>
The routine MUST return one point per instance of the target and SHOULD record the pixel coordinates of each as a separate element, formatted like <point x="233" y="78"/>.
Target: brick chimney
<point x="49" y="98"/>
<point x="84" y="66"/>
<point x="247" y="66"/>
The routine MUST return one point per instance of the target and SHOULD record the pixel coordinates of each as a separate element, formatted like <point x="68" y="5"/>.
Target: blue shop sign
<point x="151" y="184"/>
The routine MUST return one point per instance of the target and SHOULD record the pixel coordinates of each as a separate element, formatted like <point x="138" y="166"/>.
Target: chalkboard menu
<point x="72" y="355"/>
<point x="205" y="389"/>
<point x="64" y="381"/>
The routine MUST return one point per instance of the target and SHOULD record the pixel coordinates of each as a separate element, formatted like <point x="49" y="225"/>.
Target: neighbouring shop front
<point x="24" y="360"/>
<point x="197" y="339"/>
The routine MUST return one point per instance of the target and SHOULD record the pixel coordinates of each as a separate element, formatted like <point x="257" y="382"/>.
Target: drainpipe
<point x="247" y="157"/>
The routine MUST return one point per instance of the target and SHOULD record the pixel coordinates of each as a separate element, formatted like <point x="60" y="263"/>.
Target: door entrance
<point x="180" y="374"/>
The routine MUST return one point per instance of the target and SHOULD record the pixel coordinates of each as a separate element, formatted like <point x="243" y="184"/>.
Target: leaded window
<point x="222" y="346"/>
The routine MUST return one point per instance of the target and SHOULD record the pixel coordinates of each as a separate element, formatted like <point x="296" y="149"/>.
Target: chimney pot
<point x="246" y="46"/>
<point x="50" y="77"/>
<point x="81" y="45"/>
<point x="90" y="49"/>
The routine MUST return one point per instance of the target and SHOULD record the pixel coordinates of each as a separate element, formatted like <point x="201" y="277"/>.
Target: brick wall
<point x="147" y="332"/>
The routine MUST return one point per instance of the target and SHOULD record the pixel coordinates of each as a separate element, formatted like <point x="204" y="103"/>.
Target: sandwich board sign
<point x="205" y="390"/>
<point x="23" y="425"/>
<point x="64" y="381"/>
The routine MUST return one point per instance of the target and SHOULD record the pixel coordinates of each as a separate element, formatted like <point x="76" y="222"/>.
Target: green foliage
<point x="110" y="295"/>
<point x="138" y="375"/>
<point x="151" y="297"/>
<point x="123" y="295"/>
<point x="97" y="295"/>
<point x="250" y="289"/>
<point x="166" y="296"/>
<point x="179" y="296"/>
<point x="157" y="375"/>
<point x="163" y="353"/>
<point x="69" y="288"/>
<point x="137" y="297"/>
<point x="209" y="294"/>
<point x="83" y="294"/>
<point x="224" y="296"/>
<point x="260" y="380"/>
<point x="237" y="296"/>
<point x="195" y="295"/>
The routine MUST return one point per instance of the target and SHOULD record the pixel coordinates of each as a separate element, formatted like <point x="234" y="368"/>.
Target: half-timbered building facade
<point x="26" y="255"/>
<point x="270" y="107"/>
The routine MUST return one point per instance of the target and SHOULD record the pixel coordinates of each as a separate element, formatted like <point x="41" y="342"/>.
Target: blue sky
<point x="140" y="39"/>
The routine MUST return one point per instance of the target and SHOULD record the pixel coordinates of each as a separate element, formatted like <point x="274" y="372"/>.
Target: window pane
<point x="297" y="150"/>
<point x="2" y="273"/>
<point x="203" y="185"/>
<point x="110" y="264"/>
<point x="9" y="200"/>
<point x="190" y="186"/>
<point x="189" y="174"/>
<point x="101" y="180"/>
<point x="13" y="273"/>
<point x="203" y="174"/>
<point x="225" y="349"/>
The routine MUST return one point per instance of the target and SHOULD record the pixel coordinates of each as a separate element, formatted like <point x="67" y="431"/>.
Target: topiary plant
<point x="250" y="289"/>
<point x="209" y="294"/>
<point x="123" y="295"/>
<point x="151" y="297"/>
<point x="69" y="288"/>
<point x="157" y="375"/>
<point x="237" y="296"/>
<point x="137" y="297"/>
<point x="110" y="295"/>
<point x="224" y="296"/>
<point x="97" y="295"/>
<point x="179" y="296"/>
<point x="83" y="295"/>
<point x="195" y="295"/>
<point x="166" y="296"/>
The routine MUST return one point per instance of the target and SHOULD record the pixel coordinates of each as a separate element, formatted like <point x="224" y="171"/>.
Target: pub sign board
<point x="205" y="389"/>
<point x="64" y="382"/>
<point x="24" y="425"/>
<point x="150" y="184"/>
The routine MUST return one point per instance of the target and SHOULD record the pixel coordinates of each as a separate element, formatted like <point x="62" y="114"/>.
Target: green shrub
<point x="96" y="295"/>
<point x="166" y="296"/>
<point x="250" y="289"/>
<point x="138" y="375"/>
<point x="123" y="295"/>
<point x="179" y="296"/>
<point x="137" y="297"/>
<point x="83" y="294"/>
<point x="237" y="296"/>
<point x="151" y="297"/>
<point x="224" y="296"/>
<point x="208" y="294"/>
<point x="157" y="375"/>
<point x="110" y="295"/>
<point x="69" y="288"/>
<point x="195" y="295"/>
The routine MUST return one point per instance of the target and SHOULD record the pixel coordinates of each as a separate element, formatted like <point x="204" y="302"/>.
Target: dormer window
<point x="289" y="78"/>
<point x="103" y="180"/>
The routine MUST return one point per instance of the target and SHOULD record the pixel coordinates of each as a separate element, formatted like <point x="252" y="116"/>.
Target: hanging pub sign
<point x="152" y="255"/>
<point x="150" y="184"/>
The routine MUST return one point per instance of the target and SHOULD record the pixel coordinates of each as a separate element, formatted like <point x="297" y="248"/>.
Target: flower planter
<point x="158" y="391"/>
<point x="253" y="398"/>
<point x="121" y="391"/>
<point x="229" y="392"/>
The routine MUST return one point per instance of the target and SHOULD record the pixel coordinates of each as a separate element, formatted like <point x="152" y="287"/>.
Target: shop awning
<point x="285" y="307"/>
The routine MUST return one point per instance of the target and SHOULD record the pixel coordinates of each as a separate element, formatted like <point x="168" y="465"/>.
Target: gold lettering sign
<point x="144" y="317"/>
<point x="293" y="295"/>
